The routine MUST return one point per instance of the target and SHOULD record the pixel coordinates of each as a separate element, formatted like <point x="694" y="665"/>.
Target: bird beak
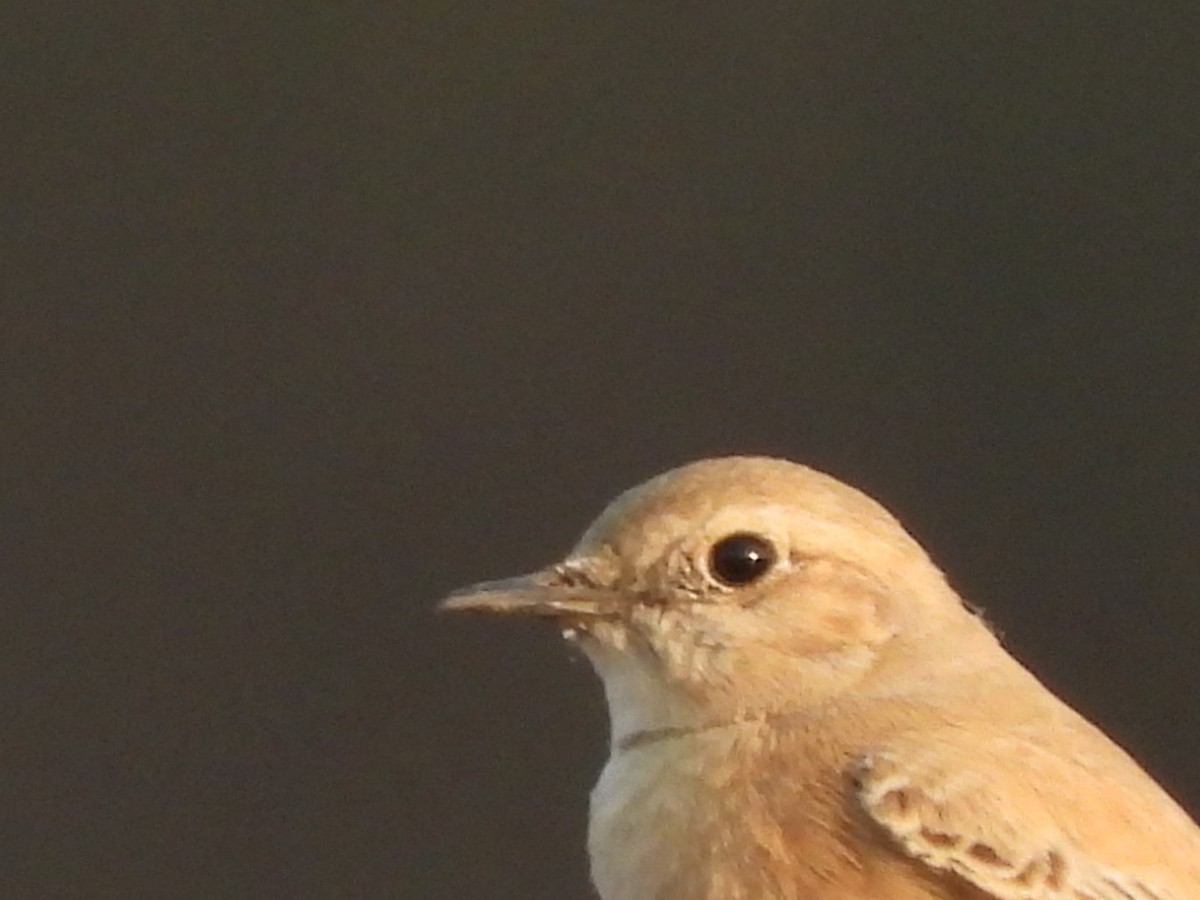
<point x="546" y="594"/>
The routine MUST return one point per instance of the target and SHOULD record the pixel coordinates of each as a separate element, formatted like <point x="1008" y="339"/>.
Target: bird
<point x="802" y="708"/>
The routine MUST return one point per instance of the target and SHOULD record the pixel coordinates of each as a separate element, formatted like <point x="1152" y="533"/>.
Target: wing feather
<point x="998" y="833"/>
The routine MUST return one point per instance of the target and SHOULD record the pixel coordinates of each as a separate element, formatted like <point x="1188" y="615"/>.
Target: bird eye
<point x="741" y="558"/>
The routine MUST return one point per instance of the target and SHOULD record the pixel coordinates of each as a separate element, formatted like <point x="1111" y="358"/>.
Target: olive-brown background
<point x="314" y="311"/>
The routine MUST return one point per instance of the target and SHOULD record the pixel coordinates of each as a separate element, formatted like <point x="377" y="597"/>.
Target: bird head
<point x="729" y="588"/>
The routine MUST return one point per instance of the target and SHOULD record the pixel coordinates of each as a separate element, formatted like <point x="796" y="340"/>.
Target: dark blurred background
<point x="315" y="311"/>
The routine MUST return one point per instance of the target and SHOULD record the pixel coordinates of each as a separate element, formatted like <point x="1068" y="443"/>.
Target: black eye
<point x="741" y="558"/>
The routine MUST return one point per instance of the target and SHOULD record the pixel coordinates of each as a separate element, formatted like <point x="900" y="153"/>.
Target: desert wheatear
<point x="802" y="708"/>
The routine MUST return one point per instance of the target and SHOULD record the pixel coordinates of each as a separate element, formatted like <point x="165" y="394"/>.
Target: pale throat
<point x="639" y="698"/>
<point x="645" y="705"/>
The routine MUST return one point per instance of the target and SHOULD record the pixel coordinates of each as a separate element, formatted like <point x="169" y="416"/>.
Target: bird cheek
<point x="812" y="629"/>
<point x="842" y="627"/>
<point x="692" y="650"/>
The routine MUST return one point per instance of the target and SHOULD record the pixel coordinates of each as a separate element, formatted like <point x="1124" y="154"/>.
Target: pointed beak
<point x="544" y="594"/>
